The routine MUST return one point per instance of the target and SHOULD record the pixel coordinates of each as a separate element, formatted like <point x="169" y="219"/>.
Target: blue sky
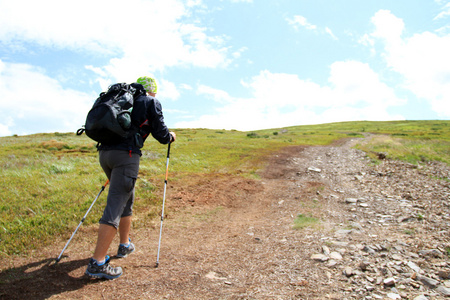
<point x="230" y="64"/>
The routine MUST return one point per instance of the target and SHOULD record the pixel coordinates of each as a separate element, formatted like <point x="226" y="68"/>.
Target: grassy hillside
<point x="48" y="181"/>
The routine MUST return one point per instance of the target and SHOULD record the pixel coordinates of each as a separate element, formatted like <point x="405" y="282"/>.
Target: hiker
<point x="120" y="162"/>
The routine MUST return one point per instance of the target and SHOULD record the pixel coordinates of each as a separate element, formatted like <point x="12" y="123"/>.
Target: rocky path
<point x="383" y="233"/>
<point x="390" y="222"/>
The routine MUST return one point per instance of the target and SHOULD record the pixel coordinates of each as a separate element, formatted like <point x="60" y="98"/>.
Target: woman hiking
<point x="120" y="162"/>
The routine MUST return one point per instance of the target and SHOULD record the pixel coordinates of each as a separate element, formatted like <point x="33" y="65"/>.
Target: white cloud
<point x="214" y="94"/>
<point x="298" y="21"/>
<point x="328" y="30"/>
<point x="355" y="83"/>
<point x="191" y="3"/>
<point x="144" y="35"/>
<point x="368" y="41"/>
<point x="278" y="100"/>
<point x="34" y="100"/>
<point x="5" y="126"/>
<point x="168" y="90"/>
<point x="445" y="10"/>
<point x="185" y="86"/>
<point x="421" y="59"/>
<point x="387" y="26"/>
<point x="238" y="53"/>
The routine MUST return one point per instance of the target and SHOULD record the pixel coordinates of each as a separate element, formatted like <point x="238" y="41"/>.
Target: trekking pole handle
<point x="167" y="162"/>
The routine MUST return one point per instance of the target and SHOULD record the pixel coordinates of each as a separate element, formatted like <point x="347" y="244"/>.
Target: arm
<point x="159" y="129"/>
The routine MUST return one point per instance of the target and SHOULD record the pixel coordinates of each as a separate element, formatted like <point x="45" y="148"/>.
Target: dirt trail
<point x="232" y="238"/>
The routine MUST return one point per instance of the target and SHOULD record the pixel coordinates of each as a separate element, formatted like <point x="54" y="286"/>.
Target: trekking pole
<point x="164" y="200"/>
<point x="82" y="220"/>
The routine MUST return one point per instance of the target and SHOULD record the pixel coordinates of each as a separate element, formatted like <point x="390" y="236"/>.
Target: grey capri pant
<point x="122" y="170"/>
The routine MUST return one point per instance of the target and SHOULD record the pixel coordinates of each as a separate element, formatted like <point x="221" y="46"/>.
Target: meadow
<point x="48" y="181"/>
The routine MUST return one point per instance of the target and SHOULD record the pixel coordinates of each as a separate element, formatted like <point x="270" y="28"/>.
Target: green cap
<point x="148" y="83"/>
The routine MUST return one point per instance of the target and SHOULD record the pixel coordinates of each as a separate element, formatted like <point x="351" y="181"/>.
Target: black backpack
<point x="109" y="120"/>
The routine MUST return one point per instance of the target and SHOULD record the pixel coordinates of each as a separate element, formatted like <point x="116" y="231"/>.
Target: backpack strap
<point x="139" y="89"/>
<point x="145" y="123"/>
<point x="80" y="131"/>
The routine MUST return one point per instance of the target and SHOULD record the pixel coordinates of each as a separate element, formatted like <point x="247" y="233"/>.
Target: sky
<point x="226" y="64"/>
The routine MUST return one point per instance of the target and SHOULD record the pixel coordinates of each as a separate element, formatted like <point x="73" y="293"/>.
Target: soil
<point x="228" y="237"/>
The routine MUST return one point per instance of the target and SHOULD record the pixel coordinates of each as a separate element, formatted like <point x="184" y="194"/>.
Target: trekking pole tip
<point x="157" y="264"/>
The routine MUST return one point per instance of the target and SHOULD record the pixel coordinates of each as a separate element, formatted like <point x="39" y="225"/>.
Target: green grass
<point x="409" y="231"/>
<point x="411" y="141"/>
<point x="48" y="181"/>
<point x="302" y="221"/>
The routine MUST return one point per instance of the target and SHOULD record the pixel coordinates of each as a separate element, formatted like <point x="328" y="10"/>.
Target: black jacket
<point x="146" y="118"/>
